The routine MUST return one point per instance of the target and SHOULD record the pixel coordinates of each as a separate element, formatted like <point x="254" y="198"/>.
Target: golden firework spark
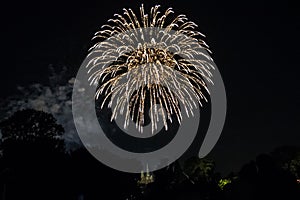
<point x="150" y="59"/>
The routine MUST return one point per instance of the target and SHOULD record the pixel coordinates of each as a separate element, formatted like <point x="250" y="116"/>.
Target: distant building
<point x="146" y="178"/>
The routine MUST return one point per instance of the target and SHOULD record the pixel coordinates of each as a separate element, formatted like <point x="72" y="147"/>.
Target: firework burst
<point x="152" y="58"/>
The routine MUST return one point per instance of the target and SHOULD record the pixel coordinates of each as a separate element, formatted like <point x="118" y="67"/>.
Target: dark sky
<point x="255" y="46"/>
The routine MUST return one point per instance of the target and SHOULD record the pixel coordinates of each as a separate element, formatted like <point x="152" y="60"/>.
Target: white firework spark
<point x="150" y="60"/>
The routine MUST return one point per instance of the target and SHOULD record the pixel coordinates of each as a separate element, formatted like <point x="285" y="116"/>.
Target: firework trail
<point x="152" y="58"/>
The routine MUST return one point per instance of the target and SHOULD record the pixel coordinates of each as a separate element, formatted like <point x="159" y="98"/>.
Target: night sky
<point x="255" y="46"/>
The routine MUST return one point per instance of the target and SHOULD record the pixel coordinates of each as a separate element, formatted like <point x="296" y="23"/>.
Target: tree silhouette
<point x="31" y="126"/>
<point x="33" y="155"/>
<point x="201" y="173"/>
<point x="288" y="157"/>
<point x="264" y="179"/>
<point x="199" y="169"/>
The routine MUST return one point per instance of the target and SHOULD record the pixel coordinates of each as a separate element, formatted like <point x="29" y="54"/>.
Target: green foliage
<point x="223" y="182"/>
<point x="199" y="169"/>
